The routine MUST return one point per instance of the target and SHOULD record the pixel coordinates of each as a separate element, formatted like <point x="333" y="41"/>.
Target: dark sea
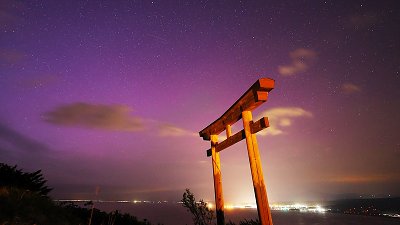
<point x="176" y="214"/>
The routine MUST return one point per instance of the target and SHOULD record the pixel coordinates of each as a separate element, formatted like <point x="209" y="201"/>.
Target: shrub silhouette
<point x="24" y="201"/>
<point x="34" y="182"/>
<point x="201" y="214"/>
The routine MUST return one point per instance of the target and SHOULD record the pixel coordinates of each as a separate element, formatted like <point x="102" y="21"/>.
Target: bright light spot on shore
<point x="229" y="207"/>
<point x="299" y="207"/>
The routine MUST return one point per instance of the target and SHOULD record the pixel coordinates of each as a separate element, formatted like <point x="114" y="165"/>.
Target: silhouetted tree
<point x="10" y="176"/>
<point x="249" y="222"/>
<point x="245" y="222"/>
<point x="202" y="215"/>
<point x="24" y="201"/>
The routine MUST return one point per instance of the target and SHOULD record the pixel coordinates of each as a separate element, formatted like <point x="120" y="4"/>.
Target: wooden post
<point x="228" y="131"/>
<point x="219" y="199"/>
<point x="264" y="212"/>
<point x="241" y="109"/>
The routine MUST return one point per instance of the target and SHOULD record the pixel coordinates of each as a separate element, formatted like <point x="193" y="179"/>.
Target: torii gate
<point x="241" y="109"/>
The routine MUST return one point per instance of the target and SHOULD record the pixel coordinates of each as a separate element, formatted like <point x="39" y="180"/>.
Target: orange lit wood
<point x="228" y="131"/>
<point x="259" y="125"/>
<point x="251" y="99"/>
<point x="233" y="139"/>
<point x="219" y="199"/>
<point x="264" y="212"/>
<point x="241" y="109"/>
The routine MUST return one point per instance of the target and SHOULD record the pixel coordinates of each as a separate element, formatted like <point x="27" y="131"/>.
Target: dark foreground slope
<point x="24" y="200"/>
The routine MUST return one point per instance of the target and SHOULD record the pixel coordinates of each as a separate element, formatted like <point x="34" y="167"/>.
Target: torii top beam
<point x="251" y="99"/>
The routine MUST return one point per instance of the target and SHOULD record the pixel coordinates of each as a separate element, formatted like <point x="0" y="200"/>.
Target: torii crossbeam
<point x="241" y="109"/>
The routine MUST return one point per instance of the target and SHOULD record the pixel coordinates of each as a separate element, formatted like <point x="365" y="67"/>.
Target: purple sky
<point x="113" y="93"/>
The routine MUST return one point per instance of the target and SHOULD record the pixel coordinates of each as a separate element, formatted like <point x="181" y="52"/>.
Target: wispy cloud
<point x="169" y="130"/>
<point x="107" y="117"/>
<point x="282" y="117"/>
<point x="350" y="88"/>
<point x="39" y="81"/>
<point x="110" y="117"/>
<point x="10" y="56"/>
<point x="302" y="59"/>
<point x="12" y="139"/>
<point x="10" y="12"/>
<point x="364" y="178"/>
<point x="21" y="149"/>
<point x="362" y="21"/>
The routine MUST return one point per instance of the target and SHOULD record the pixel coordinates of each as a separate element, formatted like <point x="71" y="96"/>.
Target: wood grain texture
<point x="251" y="99"/>
<point x="219" y="198"/>
<point x="233" y="139"/>
<point x="264" y="212"/>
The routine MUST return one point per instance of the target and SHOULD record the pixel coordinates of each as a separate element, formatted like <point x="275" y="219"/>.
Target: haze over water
<point x="175" y="214"/>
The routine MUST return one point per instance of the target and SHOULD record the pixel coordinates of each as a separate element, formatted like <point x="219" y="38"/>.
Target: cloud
<point x="350" y="88"/>
<point x="20" y="149"/>
<point x="364" y="178"/>
<point x="106" y="117"/>
<point x="39" y="81"/>
<point x="10" y="12"/>
<point x="10" y="56"/>
<point x="362" y="21"/>
<point x="168" y="130"/>
<point x="11" y="139"/>
<point x="301" y="58"/>
<point x="282" y="117"/>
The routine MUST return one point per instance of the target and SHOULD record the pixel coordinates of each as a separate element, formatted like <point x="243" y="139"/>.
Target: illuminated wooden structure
<point x="241" y="109"/>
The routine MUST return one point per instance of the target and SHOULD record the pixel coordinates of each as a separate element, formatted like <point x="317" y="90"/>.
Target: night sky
<point x="112" y="94"/>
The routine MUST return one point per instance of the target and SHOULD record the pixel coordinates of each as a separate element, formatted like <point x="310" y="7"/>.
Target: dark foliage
<point x="19" y="206"/>
<point x="249" y="222"/>
<point x="101" y="217"/>
<point x="10" y="176"/>
<point x="245" y="222"/>
<point x="24" y="201"/>
<point x="201" y="214"/>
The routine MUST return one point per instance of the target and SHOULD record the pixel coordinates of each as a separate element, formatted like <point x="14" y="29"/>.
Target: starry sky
<point x="112" y="94"/>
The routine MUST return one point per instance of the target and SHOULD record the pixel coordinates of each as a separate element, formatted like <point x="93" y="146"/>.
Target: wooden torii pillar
<point x="241" y="109"/>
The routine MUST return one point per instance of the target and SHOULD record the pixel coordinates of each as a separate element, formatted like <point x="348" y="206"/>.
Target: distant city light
<point x="279" y="207"/>
<point x="299" y="207"/>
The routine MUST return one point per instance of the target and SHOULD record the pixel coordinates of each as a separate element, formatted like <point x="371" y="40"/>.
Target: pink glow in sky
<point x="114" y="93"/>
